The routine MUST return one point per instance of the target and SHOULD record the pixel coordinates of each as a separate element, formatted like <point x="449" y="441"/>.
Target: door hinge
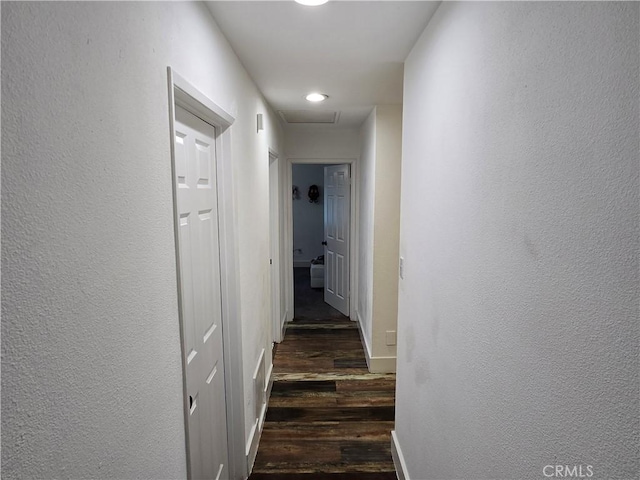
<point x="271" y="261"/>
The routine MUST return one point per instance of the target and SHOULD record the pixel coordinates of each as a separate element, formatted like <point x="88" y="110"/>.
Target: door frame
<point x="275" y="230"/>
<point x="187" y="96"/>
<point x="353" y="229"/>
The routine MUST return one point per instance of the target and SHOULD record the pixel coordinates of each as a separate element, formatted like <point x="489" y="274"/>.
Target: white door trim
<point x="274" y="240"/>
<point x="184" y="94"/>
<point x="354" y="234"/>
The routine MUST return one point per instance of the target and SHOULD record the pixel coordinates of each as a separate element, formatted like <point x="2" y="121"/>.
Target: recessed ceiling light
<point x="311" y="3"/>
<point x="316" y="97"/>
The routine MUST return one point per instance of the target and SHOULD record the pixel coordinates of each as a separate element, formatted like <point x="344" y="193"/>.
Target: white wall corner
<point x="267" y="394"/>
<point x="259" y="384"/>
<point x="261" y="388"/>
<point x="374" y="364"/>
<point x="363" y="340"/>
<point x="283" y="324"/>
<point x="252" y="446"/>
<point x="398" y="458"/>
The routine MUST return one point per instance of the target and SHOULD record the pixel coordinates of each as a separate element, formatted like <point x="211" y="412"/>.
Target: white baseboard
<point x="267" y="393"/>
<point x="382" y="365"/>
<point x="263" y="384"/>
<point x="398" y="458"/>
<point x="363" y="340"/>
<point x="259" y="383"/>
<point x="252" y="446"/>
<point x="375" y="364"/>
<point x="283" y="325"/>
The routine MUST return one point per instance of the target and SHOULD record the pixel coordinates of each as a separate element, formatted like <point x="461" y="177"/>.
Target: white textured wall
<point x="379" y="207"/>
<point x="319" y="143"/>
<point x="366" y="204"/>
<point x="386" y="228"/>
<point x="91" y="370"/>
<point x="518" y="315"/>
<point x="308" y="218"/>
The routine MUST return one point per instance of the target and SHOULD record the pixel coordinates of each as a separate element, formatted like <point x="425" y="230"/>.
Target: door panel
<point x="337" y="200"/>
<point x="200" y="294"/>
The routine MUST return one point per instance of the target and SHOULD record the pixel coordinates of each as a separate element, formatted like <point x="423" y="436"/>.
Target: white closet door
<point x="199" y="259"/>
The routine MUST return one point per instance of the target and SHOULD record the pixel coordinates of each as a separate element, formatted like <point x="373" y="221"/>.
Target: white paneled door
<point x="200" y="295"/>
<point x="337" y="208"/>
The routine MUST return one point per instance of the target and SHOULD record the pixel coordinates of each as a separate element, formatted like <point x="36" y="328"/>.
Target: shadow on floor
<point x="309" y="302"/>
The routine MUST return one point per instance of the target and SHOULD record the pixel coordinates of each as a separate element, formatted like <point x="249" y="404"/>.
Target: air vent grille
<point x="309" y="116"/>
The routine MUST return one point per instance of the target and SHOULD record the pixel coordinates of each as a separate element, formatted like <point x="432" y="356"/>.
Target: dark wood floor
<point x="309" y="302"/>
<point x="328" y="417"/>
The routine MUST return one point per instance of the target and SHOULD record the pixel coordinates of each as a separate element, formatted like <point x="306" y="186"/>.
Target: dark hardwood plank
<point x="313" y="451"/>
<point x="349" y="363"/>
<point x="283" y="388"/>
<point x="309" y="467"/>
<point x="378" y="384"/>
<point x="347" y="414"/>
<point x="365" y="452"/>
<point x="340" y="432"/>
<point x="326" y="476"/>
<point x="366" y="401"/>
<point x="322" y="401"/>
<point x="328" y="417"/>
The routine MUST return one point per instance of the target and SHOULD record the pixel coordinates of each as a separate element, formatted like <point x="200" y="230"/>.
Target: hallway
<point x="328" y="417"/>
<point x="494" y="235"/>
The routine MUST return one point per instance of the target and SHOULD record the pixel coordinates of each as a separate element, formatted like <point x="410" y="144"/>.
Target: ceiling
<point x="353" y="51"/>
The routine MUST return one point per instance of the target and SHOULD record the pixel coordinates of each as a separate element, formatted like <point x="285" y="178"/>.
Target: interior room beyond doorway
<point x="308" y="212"/>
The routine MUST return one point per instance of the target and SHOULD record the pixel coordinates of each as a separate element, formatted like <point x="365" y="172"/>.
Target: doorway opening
<point x="321" y="238"/>
<point x="309" y="211"/>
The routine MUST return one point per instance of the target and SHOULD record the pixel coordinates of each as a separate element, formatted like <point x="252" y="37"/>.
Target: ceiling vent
<point x="309" y="116"/>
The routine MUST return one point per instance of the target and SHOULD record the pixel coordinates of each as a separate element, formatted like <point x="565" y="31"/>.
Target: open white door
<point x="200" y="295"/>
<point x="337" y="208"/>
